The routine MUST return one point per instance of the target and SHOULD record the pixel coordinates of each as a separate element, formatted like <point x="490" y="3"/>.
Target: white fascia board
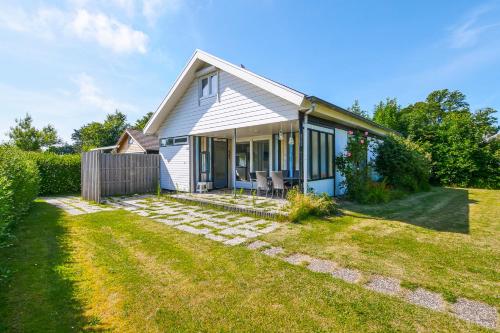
<point x="168" y="102"/>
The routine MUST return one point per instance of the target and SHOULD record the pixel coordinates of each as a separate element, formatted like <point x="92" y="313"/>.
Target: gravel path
<point x="476" y="312"/>
<point x="427" y="299"/>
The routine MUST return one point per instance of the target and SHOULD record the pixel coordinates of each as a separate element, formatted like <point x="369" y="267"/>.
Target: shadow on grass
<point x="38" y="292"/>
<point x="441" y="209"/>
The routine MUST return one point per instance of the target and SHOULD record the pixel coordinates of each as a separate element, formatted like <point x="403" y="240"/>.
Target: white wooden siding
<point x="321" y="186"/>
<point x="240" y="104"/>
<point x="174" y="168"/>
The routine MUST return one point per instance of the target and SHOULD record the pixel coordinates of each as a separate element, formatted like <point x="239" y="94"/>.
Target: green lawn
<point x="447" y="240"/>
<point x="121" y="272"/>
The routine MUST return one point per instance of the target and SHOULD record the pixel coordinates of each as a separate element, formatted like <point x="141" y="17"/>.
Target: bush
<point x="59" y="174"/>
<point x="403" y="164"/>
<point x="19" y="184"/>
<point x="301" y="206"/>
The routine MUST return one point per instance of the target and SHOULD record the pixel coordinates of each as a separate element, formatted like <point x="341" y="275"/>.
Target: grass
<point x="116" y="271"/>
<point x="445" y="240"/>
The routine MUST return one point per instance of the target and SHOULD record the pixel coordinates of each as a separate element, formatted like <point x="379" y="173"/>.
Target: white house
<point x="220" y="123"/>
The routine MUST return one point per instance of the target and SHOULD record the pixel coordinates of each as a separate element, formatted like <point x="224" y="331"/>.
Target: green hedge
<point x="59" y="174"/>
<point x="19" y="185"/>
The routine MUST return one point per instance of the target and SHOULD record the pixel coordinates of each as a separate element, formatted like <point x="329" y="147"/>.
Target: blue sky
<point x="71" y="62"/>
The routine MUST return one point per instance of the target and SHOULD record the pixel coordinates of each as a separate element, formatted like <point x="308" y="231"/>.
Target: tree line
<point x="26" y="136"/>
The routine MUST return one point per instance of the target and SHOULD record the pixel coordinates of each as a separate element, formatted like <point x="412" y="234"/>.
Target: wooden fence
<point x="117" y="174"/>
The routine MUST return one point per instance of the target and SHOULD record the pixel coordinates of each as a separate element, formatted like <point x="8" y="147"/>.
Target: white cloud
<point x="90" y="94"/>
<point x="50" y="22"/>
<point x="468" y="33"/>
<point x="108" y="32"/>
<point x="153" y="9"/>
<point x="45" y="22"/>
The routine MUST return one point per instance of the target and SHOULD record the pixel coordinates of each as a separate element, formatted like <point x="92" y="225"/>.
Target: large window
<point x="320" y="155"/>
<point x="243" y="161"/>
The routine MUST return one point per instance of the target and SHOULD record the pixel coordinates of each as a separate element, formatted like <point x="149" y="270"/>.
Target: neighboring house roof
<point x="201" y="58"/>
<point x="146" y="142"/>
<point x="104" y="148"/>
<point x="493" y="137"/>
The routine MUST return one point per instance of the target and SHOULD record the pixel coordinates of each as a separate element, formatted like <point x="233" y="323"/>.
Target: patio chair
<point x="262" y="184"/>
<point x="278" y="183"/>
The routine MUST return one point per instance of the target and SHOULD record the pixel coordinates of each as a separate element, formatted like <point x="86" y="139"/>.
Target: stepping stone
<point x="348" y="275"/>
<point x="298" y="258"/>
<point x="142" y="213"/>
<point x="384" y="285"/>
<point x="209" y="224"/>
<point x="273" y="251"/>
<point x="476" y="312"/>
<point x="217" y="238"/>
<point x="192" y="230"/>
<point x="235" y="241"/>
<point x="257" y="245"/>
<point x="427" y="299"/>
<point x="270" y="228"/>
<point x="321" y="266"/>
<point x="170" y="222"/>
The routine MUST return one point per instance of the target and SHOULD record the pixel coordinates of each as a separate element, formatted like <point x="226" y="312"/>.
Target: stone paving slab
<point x="426" y="299"/>
<point x="192" y="230"/>
<point x="321" y="266"/>
<point x="384" y="285"/>
<point x="217" y="238"/>
<point x="257" y="245"/>
<point x="273" y="251"/>
<point x="298" y="259"/>
<point x="235" y="241"/>
<point x="347" y="274"/>
<point x="476" y="312"/>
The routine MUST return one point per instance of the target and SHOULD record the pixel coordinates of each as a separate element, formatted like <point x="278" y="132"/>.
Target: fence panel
<point x="118" y="174"/>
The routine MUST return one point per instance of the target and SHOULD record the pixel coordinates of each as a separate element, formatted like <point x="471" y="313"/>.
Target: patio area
<point x="239" y="201"/>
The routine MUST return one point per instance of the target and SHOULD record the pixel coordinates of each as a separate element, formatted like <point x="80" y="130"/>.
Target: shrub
<point x="403" y="164"/>
<point x="301" y="206"/>
<point x="59" y="174"/>
<point x="19" y="184"/>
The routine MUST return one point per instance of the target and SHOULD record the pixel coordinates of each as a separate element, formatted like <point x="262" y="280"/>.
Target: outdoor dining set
<point x="275" y="183"/>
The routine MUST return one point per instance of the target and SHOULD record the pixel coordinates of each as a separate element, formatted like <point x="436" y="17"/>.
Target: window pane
<point x="261" y="155"/>
<point x="204" y="87"/>
<point x="323" y="156"/>
<point x="314" y="155"/>
<point x="213" y="85"/>
<point x="243" y="161"/>
<point x="330" y="155"/>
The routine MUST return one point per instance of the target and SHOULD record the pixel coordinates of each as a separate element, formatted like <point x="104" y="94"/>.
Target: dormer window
<point x="209" y="85"/>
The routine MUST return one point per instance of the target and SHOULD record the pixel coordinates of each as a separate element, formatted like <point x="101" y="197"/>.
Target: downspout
<point x="305" y="136"/>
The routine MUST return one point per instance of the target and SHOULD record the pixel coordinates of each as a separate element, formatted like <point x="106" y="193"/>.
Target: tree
<point x="387" y="114"/>
<point x="454" y="137"/>
<point x="95" y="134"/>
<point x="26" y="137"/>
<point x="141" y="122"/>
<point x="356" y="108"/>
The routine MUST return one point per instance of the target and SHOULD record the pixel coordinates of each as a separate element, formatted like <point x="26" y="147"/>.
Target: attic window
<point x="209" y="85"/>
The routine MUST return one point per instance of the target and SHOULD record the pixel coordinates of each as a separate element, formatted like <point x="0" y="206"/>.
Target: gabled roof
<point x="147" y="142"/>
<point x="200" y="58"/>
